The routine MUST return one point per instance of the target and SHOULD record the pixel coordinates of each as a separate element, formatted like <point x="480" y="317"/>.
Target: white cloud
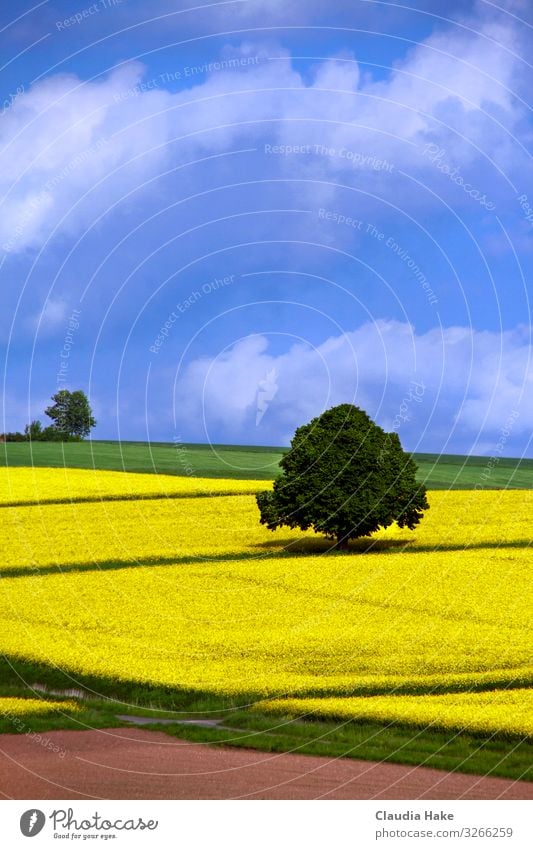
<point x="59" y="139"/>
<point x="63" y="136"/>
<point x="468" y="380"/>
<point x="53" y="315"/>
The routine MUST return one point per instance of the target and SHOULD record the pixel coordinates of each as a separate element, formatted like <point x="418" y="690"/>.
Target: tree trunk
<point x="342" y="542"/>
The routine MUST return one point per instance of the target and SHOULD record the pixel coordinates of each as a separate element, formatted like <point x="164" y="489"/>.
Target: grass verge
<point x="477" y="754"/>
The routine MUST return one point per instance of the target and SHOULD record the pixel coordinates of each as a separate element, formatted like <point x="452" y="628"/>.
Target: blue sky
<point x="221" y="219"/>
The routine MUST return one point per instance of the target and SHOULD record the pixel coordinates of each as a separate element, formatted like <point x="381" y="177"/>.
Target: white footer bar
<point x="267" y="824"/>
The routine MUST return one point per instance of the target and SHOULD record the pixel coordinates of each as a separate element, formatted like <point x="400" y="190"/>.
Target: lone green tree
<point x="344" y="477"/>
<point x="71" y="414"/>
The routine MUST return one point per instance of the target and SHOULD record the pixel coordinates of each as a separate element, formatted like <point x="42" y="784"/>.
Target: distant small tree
<point x="71" y="414"/>
<point x="34" y="431"/>
<point x="344" y="477"/>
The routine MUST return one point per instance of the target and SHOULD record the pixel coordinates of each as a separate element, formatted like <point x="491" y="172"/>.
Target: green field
<point x="446" y="471"/>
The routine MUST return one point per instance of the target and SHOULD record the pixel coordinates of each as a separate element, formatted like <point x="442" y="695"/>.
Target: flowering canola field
<point x="194" y="594"/>
<point x="487" y="712"/>
<point x="10" y="707"/>
<point x="42" y="485"/>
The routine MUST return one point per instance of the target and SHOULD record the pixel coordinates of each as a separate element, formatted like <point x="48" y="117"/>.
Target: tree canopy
<point x="71" y="414"/>
<point x="345" y="477"/>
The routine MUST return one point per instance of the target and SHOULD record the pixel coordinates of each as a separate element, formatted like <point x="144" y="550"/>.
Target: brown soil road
<point x="131" y="763"/>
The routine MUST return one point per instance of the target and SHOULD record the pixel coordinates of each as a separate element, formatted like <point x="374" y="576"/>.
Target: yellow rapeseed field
<point x="173" y="529"/>
<point x="41" y="485"/>
<point x="14" y="707"/>
<point x="167" y="530"/>
<point x="194" y="594"/>
<point x="486" y="712"/>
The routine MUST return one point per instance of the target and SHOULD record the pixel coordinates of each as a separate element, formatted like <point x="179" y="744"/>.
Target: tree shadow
<point x="277" y="549"/>
<point x="125" y="563"/>
<point x="367" y="545"/>
<point x="321" y="545"/>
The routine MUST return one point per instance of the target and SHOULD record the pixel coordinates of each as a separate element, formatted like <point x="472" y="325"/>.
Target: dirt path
<point x="131" y="763"/>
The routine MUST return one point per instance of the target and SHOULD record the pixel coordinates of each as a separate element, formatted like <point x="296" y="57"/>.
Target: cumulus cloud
<point x="64" y="136"/>
<point x="443" y="380"/>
